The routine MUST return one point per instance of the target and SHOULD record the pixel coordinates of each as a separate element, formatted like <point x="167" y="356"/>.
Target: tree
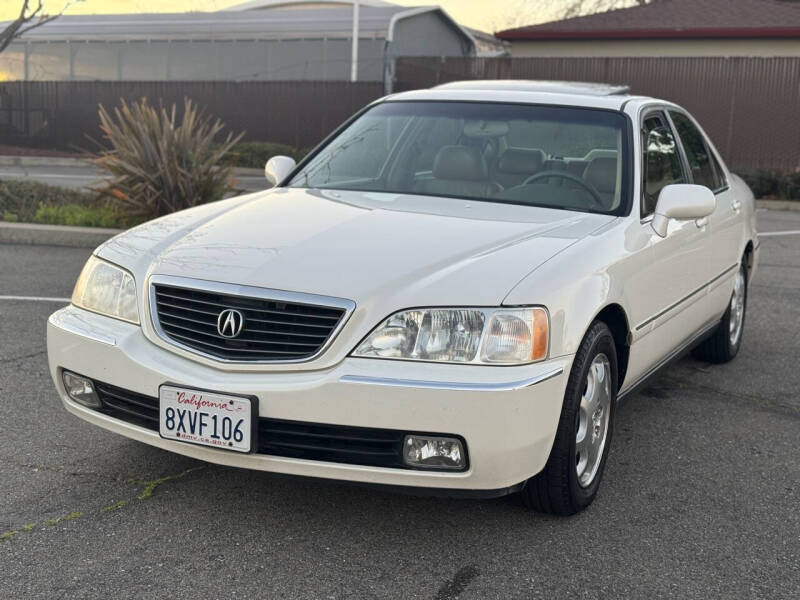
<point x="29" y="18"/>
<point x="577" y="8"/>
<point x="519" y="13"/>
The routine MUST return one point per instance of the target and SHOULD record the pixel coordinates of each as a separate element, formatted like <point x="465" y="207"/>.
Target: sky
<point x="489" y="15"/>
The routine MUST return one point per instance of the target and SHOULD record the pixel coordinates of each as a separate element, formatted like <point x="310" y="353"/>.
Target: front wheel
<point x="570" y="479"/>
<point x="724" y="343"/>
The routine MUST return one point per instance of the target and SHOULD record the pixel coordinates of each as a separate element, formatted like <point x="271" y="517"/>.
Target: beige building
<point x="668" y="28"/>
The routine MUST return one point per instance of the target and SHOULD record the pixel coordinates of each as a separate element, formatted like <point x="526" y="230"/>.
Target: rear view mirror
<point x="682" y="201"/>
<point x="278" y="168"/>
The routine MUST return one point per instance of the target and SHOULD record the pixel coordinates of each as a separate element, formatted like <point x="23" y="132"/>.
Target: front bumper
<point x="507" y="415"/>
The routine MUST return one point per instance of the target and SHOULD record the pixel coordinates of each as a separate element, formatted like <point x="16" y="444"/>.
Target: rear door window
<point x="704" y="166"/>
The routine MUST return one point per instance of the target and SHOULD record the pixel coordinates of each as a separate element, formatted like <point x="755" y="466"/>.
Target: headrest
<point x="521" y="161"/>
<point x="602" y="174"/>
<point x="463" y="163"/>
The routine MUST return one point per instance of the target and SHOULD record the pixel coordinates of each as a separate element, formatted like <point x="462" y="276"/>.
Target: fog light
<point x="430" y="452"/>
<point x="81" y="390"/>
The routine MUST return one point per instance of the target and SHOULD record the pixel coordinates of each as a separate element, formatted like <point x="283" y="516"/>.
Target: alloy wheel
<point x="595" y="408"/>
<point x="736" y="320"/>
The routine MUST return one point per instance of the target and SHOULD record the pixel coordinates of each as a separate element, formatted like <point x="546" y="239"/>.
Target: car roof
<point x="516" y="96"/>
<point x="534" y="85"/>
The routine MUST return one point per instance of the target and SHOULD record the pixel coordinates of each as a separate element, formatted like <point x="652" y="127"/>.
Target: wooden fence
<point x="749" y="106"/>
<point x="63" y="114"/>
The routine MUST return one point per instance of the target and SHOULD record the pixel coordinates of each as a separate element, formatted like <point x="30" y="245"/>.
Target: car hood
<point x="387" y="251"/>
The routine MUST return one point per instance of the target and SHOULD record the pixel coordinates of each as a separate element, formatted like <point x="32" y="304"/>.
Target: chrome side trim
<point x="248" y="292"/>
<point x="503" y="386"/>
<point x="687" y="297"/>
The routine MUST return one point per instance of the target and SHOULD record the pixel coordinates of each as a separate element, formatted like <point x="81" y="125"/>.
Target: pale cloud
<point x="481" y="14"/>
<point x="492" y="15"/>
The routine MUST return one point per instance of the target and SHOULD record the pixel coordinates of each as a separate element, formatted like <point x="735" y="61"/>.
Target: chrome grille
<point x="275" y="328"/>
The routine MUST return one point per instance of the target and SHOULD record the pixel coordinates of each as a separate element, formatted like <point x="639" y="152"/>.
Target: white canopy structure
<point x="257" y="40"/>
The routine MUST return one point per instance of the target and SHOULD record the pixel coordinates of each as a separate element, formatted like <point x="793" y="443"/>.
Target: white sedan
<point x="452" y="292"/>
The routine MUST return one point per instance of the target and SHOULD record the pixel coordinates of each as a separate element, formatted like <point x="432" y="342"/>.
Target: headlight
<point x="465" y="335"/>
<point x="107" y="289"/>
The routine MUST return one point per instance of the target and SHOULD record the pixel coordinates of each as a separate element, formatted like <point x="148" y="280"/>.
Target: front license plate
<point x="206" y="418"/>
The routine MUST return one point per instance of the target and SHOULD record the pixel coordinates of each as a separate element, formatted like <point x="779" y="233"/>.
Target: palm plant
<point x="158" y="165"/>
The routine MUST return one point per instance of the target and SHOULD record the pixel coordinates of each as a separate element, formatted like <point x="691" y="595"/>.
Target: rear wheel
<point x="724" y="343"/>
<point x="570" y="479"/>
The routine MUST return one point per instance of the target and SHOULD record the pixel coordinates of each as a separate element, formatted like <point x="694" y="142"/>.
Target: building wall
<point x="656" y="47"/>
<point x="259" y="60"/>
<point x="428" y="34"/>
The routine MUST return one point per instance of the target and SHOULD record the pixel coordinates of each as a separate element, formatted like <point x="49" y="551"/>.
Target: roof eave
<point x="699" y="33"/>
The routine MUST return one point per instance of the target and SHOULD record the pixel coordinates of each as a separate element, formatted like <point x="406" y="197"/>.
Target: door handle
<point x="736" y="205"/>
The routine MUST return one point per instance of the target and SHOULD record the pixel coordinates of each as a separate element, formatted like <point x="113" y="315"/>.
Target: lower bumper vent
<point x="276" y="437"/>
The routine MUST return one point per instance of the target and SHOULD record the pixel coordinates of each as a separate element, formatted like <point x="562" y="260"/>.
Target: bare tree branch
<point x="519" y="13"/>
<point x="29" y="18"/>
<point x="577" y="8"/>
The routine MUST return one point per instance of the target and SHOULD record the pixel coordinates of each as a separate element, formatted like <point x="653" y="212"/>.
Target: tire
<point x="566" y="485"/>
<point x="724" y="343"/>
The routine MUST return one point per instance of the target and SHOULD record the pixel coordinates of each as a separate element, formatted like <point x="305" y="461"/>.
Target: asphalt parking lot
<point x="700" y="497"/>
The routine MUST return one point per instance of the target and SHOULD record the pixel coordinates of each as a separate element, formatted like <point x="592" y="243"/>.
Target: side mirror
<point x="682" y="201"/>
<point x="278" y="168"/>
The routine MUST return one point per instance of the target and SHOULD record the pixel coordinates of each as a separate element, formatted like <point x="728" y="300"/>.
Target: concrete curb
<point x="54" y="235"/>
<point x="44" y="161"/>
<point x="248" y="171"/>
<point x="791" y="205"/>
<point x="54" y="161"/>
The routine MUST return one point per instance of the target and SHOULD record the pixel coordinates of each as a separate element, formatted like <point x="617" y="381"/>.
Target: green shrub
<point x="159" y="165"/>
<point x="775" y="184"/>
<point x="789" y="186"/>
<point x="33" y="202"/>
<point x="77" y="215"/>
<point x="20" y="199"/>
<point x="256" y="154"/>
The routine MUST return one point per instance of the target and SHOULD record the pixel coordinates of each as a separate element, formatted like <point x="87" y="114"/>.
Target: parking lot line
<point x="36" y="299"/>
<point x="12" y="174"/>
<point x="774" y="233"/>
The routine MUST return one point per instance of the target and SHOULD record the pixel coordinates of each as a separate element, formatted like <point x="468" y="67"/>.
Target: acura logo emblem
<point x="230" y="323"/>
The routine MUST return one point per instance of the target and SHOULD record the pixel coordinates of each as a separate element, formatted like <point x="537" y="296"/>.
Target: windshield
<point x="557" y="157"/>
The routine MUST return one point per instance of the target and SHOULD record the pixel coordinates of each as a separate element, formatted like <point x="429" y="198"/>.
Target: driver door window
<point x="362" y="156"/>
<point x="661" y="161"/>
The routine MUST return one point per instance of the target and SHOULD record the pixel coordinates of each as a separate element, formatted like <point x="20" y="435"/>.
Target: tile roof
<point x="675" y="19"/>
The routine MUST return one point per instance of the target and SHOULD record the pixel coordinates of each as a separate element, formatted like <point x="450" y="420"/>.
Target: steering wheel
<point x="595" y="195"/>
